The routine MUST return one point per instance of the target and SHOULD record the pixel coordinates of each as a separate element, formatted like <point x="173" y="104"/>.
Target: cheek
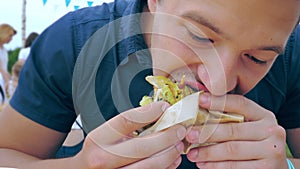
<point x="248" y="79"/>
<point x="169" y="54"/>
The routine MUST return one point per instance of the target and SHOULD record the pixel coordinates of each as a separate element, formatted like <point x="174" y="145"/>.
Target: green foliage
<point x="12" y="58"/>
<point x="288" y="152"/>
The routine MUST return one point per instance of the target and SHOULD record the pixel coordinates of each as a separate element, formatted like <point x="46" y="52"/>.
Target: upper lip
<point x="196" y="85"/>
<point x="190" y="80"/>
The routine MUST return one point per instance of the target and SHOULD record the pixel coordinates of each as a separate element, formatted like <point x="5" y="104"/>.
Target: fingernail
<point x="181" y="132"/>
<point x="193" y="136"/>
<point x="193" y="154"/>
<point x="204" y="98"/>
<point x="200" y="164"/>
<point x="165" y="106"/>
<point x="179" y="147"/>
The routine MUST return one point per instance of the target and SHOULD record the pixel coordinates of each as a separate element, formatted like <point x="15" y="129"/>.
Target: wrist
<point x="80" y="161"/>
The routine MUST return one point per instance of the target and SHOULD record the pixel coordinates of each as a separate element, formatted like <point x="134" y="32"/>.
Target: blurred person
<point x="6" y="34"/>
<point x="24" y="52"/>
<point x="93" y="62"/>
<point x="13" y="82"/>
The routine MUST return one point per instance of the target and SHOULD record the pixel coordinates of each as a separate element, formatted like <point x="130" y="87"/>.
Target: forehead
<point x="264" y="19"/>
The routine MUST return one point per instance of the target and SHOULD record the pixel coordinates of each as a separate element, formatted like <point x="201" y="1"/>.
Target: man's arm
<point x="16" y="127"/>
<point x="27" y="145"/>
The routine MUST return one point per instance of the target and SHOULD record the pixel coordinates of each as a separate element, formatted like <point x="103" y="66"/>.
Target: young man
<point x="93" y="62"/>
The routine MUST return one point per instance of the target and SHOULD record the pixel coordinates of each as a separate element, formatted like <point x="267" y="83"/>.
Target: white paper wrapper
<point x="187" y="112"/>
<point x="183" y="112"/>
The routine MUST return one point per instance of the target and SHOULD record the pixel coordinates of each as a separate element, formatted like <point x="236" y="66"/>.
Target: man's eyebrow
<point x="203" y="21"/>
<point x="278" y="49"/>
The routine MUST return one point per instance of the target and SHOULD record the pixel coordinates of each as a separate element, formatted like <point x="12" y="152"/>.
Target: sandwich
<point x="184" y="108"/>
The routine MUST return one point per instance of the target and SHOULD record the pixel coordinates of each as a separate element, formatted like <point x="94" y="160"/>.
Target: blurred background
<point x="28" y="16"/>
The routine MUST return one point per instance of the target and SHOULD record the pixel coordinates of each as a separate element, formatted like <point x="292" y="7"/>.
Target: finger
<point x="248" y="131"/>
<point x="125" y="123"/>
<point x="227" y="151"/>
<point x="169" y="158"/>
<point x="176" y="163"/>
<point x="143" y="147"/>
<point x="237" y="164"/>
<point x="239" y="150"/>
<point x="235" y="104"/>
<point x="136" y="149"/>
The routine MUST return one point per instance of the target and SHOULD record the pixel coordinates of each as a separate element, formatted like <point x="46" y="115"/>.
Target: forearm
<point x="12" y="158"/>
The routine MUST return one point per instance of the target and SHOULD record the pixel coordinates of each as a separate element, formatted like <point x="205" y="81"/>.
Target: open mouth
<point x="189" y="79"/>
<point x="184" y="107"/>
<point x="197" y="86"/>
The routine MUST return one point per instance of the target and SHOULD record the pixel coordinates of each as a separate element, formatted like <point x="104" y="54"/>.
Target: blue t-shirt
<point x="107" y="52"/>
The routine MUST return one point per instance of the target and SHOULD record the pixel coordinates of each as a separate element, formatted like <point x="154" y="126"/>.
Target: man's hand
<point x="259" y="142"/>
<point x="112" y="145"/>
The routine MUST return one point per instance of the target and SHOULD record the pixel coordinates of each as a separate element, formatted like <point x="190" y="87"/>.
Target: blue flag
<point x="67" y="2"/>
<point x="90" y="3"/>
<point x="44" y="2"/>
<point x="76" y="7"/>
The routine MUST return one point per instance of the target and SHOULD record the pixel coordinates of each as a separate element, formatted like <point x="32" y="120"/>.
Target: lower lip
<point x="196" y="85"/>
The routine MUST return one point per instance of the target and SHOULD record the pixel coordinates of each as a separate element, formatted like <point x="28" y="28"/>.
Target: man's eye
<point x="255" y="60"/>
<point x="201" y="39"/>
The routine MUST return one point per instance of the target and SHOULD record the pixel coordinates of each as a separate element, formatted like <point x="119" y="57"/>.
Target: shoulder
<point x="78" y="26"/>
<point x="292" y="59"/>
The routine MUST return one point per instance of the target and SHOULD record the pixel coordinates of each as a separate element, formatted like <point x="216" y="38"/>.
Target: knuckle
<point x="232" y="165"/>
<point x="127" y="121"/>
<point x="280" y="132"/>
<point x="242" y="102"/>
<point x="232" y="130"/>
<point x="277" y="131"/>
<point x="271" y="116"/>
<point x="231" y="148"/>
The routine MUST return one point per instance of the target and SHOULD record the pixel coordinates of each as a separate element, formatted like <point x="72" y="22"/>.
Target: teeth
<point x="188" y="76"/>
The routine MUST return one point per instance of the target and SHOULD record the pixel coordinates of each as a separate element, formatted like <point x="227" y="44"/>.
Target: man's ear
<point x="152" y="5"/>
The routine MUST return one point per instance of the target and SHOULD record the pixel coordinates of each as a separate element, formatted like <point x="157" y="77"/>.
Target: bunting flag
<point x="44" y="2"/>
<point x="76" y="7"/>
<point x="90" y="3"/>
<point x="67" y="2"/>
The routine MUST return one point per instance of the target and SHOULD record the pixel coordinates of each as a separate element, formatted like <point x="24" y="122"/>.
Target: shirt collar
<point x="131" y="26"/>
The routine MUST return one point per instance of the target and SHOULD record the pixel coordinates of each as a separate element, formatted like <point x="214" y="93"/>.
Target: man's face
<point x="220" y="46"/>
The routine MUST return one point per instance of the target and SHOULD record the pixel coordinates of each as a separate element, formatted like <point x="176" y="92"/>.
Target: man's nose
<point x="220" y="72"/>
